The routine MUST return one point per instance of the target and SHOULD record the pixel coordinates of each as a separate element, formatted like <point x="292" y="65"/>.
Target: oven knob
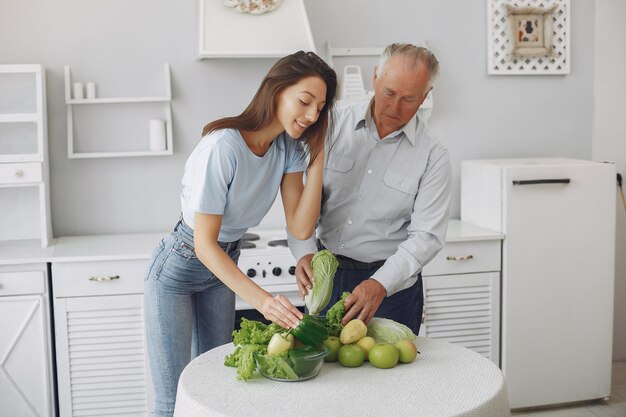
<point x="292" y="270"/>
<point x="277" y="271"/>
<point x="251" y="273"/>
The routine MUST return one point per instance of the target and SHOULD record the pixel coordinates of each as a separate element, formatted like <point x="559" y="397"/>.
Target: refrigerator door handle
<point x="544" y="181"/>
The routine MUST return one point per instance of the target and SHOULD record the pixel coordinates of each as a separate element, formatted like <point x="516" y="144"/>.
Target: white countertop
<point x="459" y="231"/>
<point x="140" y="246"/>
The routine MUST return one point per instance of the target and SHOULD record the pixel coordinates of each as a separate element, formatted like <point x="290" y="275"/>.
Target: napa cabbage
<point x="388" y="331"/>
<point x="324" y="265"/>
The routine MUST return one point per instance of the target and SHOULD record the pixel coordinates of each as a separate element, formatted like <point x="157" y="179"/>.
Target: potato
<point x="353" y="331"/>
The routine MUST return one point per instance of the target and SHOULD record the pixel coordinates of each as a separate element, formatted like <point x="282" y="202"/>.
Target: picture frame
<point x="530" y="30"/>
<point x="548" y="54"/>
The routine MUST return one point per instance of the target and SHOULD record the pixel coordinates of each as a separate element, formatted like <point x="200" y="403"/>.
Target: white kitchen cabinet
<point x="26" y="387"/>
<point x="101" y="356"/>
<point x="100" y="342"/>
<point x="462" y="291"/>
<point x="98" y="311"/>
<point x="24" y="192"/>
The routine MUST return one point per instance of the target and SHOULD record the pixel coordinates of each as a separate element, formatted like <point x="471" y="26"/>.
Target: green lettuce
<point x="277" y="366"/>
<point x="255" y="332"/>
<point x="334" y="315"/>
<point x="243" y="359"/>
<point x="252" y="337"/>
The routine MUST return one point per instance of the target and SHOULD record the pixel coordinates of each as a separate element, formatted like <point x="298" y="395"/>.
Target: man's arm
<point x="427" y="231"/>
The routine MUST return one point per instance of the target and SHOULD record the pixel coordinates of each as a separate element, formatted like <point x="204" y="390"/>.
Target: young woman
<point x="230" y="182"/>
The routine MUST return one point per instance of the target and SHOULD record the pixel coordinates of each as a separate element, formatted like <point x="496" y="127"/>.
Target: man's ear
<point x="428" y="91"/>
<point x="374" y="77"/>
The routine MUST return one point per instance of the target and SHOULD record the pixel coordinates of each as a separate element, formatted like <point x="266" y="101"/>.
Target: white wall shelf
<point x="166" y="99"/>
<point x="18" y="117"/>
<point x="24" y="192"/>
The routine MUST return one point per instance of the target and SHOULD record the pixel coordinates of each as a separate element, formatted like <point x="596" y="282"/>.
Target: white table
<point x="445" y="380"/>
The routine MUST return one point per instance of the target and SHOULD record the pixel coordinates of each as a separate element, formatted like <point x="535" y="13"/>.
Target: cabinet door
<point x="24" y="366"/>
<point x="101" y="360"/>
<point x="464" y="309"/>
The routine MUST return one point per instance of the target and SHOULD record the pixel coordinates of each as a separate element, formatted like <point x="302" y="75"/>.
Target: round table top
<point x="445" y="380"/>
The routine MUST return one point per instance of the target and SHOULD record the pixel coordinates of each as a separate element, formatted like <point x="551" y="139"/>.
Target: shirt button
<point x="349" y="221"/>
<point x="342" y="245"/>
<point x="369" y="171"/>
<point x="402" y="185"/>
<point x="360" y="197"/>
<point x="332" y="165"/>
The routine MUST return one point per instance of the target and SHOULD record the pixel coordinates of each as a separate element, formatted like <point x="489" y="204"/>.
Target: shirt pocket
<point x="397" y="196"/>
<point x="400" y="182"/>
<point x="339" y="163"/>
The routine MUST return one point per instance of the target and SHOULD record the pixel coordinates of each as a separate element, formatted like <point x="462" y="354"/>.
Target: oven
<point x="266" y="259"/>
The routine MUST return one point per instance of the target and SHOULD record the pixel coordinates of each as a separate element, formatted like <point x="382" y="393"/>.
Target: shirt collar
<point x="409" y="129"/>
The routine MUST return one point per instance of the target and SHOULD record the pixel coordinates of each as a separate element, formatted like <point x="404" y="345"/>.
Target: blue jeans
<point x="187" y="309"/>
<point x="405" y="306"/>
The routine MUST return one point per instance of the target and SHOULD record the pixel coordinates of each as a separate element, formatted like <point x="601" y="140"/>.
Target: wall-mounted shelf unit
<point x="24" y="192"/>
<point x="166" y="99"/>
<point x="225" y="33"/>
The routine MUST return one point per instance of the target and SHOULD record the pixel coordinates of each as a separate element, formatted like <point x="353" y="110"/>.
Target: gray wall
<point x="609" y="135"/>
<point x="122" y="46"/>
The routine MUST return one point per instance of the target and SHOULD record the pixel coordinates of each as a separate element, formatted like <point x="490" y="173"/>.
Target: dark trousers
<point x="405" y="306"/>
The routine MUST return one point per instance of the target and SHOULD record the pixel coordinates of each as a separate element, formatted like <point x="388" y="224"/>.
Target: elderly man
<point x="386" y="193"/>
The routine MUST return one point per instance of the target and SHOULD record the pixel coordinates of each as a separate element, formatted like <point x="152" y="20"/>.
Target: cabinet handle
<point x="546" y="181"/>
<point x="100" y="279"/>
<point x="460" y="258"/>
<point x="19" y="173"/>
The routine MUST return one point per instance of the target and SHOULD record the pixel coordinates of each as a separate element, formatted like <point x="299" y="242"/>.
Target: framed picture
<point x="528" y="37"/>
<point x="530" y="30"/>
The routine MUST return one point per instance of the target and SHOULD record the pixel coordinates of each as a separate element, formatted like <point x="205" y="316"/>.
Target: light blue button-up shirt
<point x="383" y="199"/>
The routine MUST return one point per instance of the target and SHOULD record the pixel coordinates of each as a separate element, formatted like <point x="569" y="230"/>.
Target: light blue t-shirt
<point x="223" y="176"/>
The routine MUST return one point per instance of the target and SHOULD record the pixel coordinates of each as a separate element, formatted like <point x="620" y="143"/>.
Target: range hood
<point x="225" y="33"/>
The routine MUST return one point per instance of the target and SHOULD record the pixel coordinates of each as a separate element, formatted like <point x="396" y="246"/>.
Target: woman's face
<point x="299" y="105"/>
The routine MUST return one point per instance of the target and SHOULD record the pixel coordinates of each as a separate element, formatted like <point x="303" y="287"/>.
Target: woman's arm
<point x="274" y="308"/>
<point x="302" y="202"/>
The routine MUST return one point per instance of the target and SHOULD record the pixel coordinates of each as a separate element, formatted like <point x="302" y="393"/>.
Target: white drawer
<point x="77" y="279"/>
<point x="21" y="282"/>
<point x="20" y="173"/>
<point x="465" y="257"/>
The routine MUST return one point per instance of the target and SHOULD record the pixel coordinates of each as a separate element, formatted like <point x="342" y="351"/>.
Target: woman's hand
<point x="279" y="310"/>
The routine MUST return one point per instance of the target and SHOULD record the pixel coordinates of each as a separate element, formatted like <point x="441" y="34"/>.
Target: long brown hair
<point x="286" y="72"/>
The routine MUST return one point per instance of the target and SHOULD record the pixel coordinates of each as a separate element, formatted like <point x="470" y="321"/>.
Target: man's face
<point x="398" y="93"/>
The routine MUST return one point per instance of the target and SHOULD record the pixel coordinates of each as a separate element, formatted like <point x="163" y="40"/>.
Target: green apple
<point x="384" y="355"/>
<point x="333" y="344"/>
<point x="366" y="344"/>
<point x="351" y="355"/>
<point x="407" y="349"/>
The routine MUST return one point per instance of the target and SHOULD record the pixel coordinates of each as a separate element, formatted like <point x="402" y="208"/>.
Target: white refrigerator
<point x="558" y="257"/>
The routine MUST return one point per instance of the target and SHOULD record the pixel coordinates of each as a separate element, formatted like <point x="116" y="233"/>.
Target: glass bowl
<point x="298" y="368"/>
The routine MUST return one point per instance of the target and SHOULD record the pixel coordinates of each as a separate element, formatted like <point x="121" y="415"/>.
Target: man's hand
<point x="364" y="301"/>
<point x="304" y="275"/>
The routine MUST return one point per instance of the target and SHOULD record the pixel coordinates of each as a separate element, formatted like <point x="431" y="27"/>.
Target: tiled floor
<point x="614" y="407"/>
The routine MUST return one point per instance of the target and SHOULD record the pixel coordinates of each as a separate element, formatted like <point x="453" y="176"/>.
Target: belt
<point x="351" y="264"/>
